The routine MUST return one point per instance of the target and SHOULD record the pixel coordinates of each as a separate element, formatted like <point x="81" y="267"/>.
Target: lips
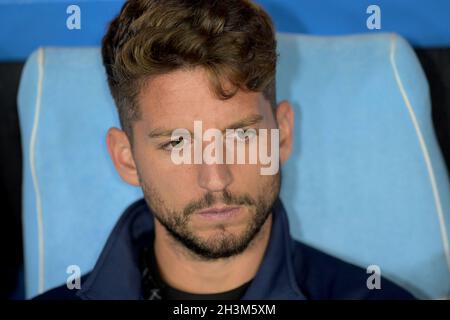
<point x="220" y="212"/>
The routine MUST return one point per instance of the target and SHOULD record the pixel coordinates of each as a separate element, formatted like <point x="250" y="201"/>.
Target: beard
<point x="222" y="244"/>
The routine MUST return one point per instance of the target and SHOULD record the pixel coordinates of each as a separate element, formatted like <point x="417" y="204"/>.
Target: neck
<point x="182" y="270"/>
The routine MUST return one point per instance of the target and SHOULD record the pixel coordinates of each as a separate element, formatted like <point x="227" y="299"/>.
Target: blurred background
<point x="26" y="25"/>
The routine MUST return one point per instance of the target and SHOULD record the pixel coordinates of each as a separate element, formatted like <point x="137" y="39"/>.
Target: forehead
<point x="185" y="95"/>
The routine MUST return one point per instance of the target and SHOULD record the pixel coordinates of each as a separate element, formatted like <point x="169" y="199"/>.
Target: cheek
<point x="247" y="177"/>
<point x="174" y="183"/>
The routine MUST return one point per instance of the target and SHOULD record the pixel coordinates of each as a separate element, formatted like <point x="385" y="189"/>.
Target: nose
<point x="214" y="177"/>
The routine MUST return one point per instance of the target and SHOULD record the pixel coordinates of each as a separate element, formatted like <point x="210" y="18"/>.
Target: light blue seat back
<point x="366" y="181"/>
<point x="72" y="195"/>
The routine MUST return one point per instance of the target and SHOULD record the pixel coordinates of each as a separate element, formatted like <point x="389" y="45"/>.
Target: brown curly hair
<point x="233" y="40"/>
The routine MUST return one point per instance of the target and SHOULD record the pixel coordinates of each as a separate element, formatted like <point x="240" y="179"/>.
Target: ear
<point x="120" y="151"/>
<point x="285" y="120"/>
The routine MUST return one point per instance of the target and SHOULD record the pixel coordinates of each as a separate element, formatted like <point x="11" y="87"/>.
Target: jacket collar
<point x="117" y="275"/>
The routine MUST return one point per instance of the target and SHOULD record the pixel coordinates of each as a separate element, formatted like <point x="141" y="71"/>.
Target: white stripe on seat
<point x="40" y="224"/>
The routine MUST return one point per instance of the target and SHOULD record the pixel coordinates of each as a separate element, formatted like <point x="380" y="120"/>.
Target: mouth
<point x="220" y="213"/>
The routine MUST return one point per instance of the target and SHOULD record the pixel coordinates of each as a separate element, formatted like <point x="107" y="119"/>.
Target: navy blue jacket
<point x="289" y="270"/>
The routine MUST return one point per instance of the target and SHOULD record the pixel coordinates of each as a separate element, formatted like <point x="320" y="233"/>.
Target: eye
<point x="174" y="144"/>
<point x="245" y="134"/>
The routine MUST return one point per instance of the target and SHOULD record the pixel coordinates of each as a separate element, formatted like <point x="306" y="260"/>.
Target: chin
<point x="218" y="235"/>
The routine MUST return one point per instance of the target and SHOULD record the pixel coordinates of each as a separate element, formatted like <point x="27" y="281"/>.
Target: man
<point x="208" y="229"/>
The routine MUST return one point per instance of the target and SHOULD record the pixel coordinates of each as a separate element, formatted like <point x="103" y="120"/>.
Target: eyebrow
<point x="245" y="122"/>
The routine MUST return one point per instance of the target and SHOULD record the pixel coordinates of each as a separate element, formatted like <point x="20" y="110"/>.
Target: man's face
<point x="180" y="194"/>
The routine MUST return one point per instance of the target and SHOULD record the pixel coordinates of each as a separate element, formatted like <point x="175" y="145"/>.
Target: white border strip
<point x="423" y="146"/>
<point x="40" y="224"/>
